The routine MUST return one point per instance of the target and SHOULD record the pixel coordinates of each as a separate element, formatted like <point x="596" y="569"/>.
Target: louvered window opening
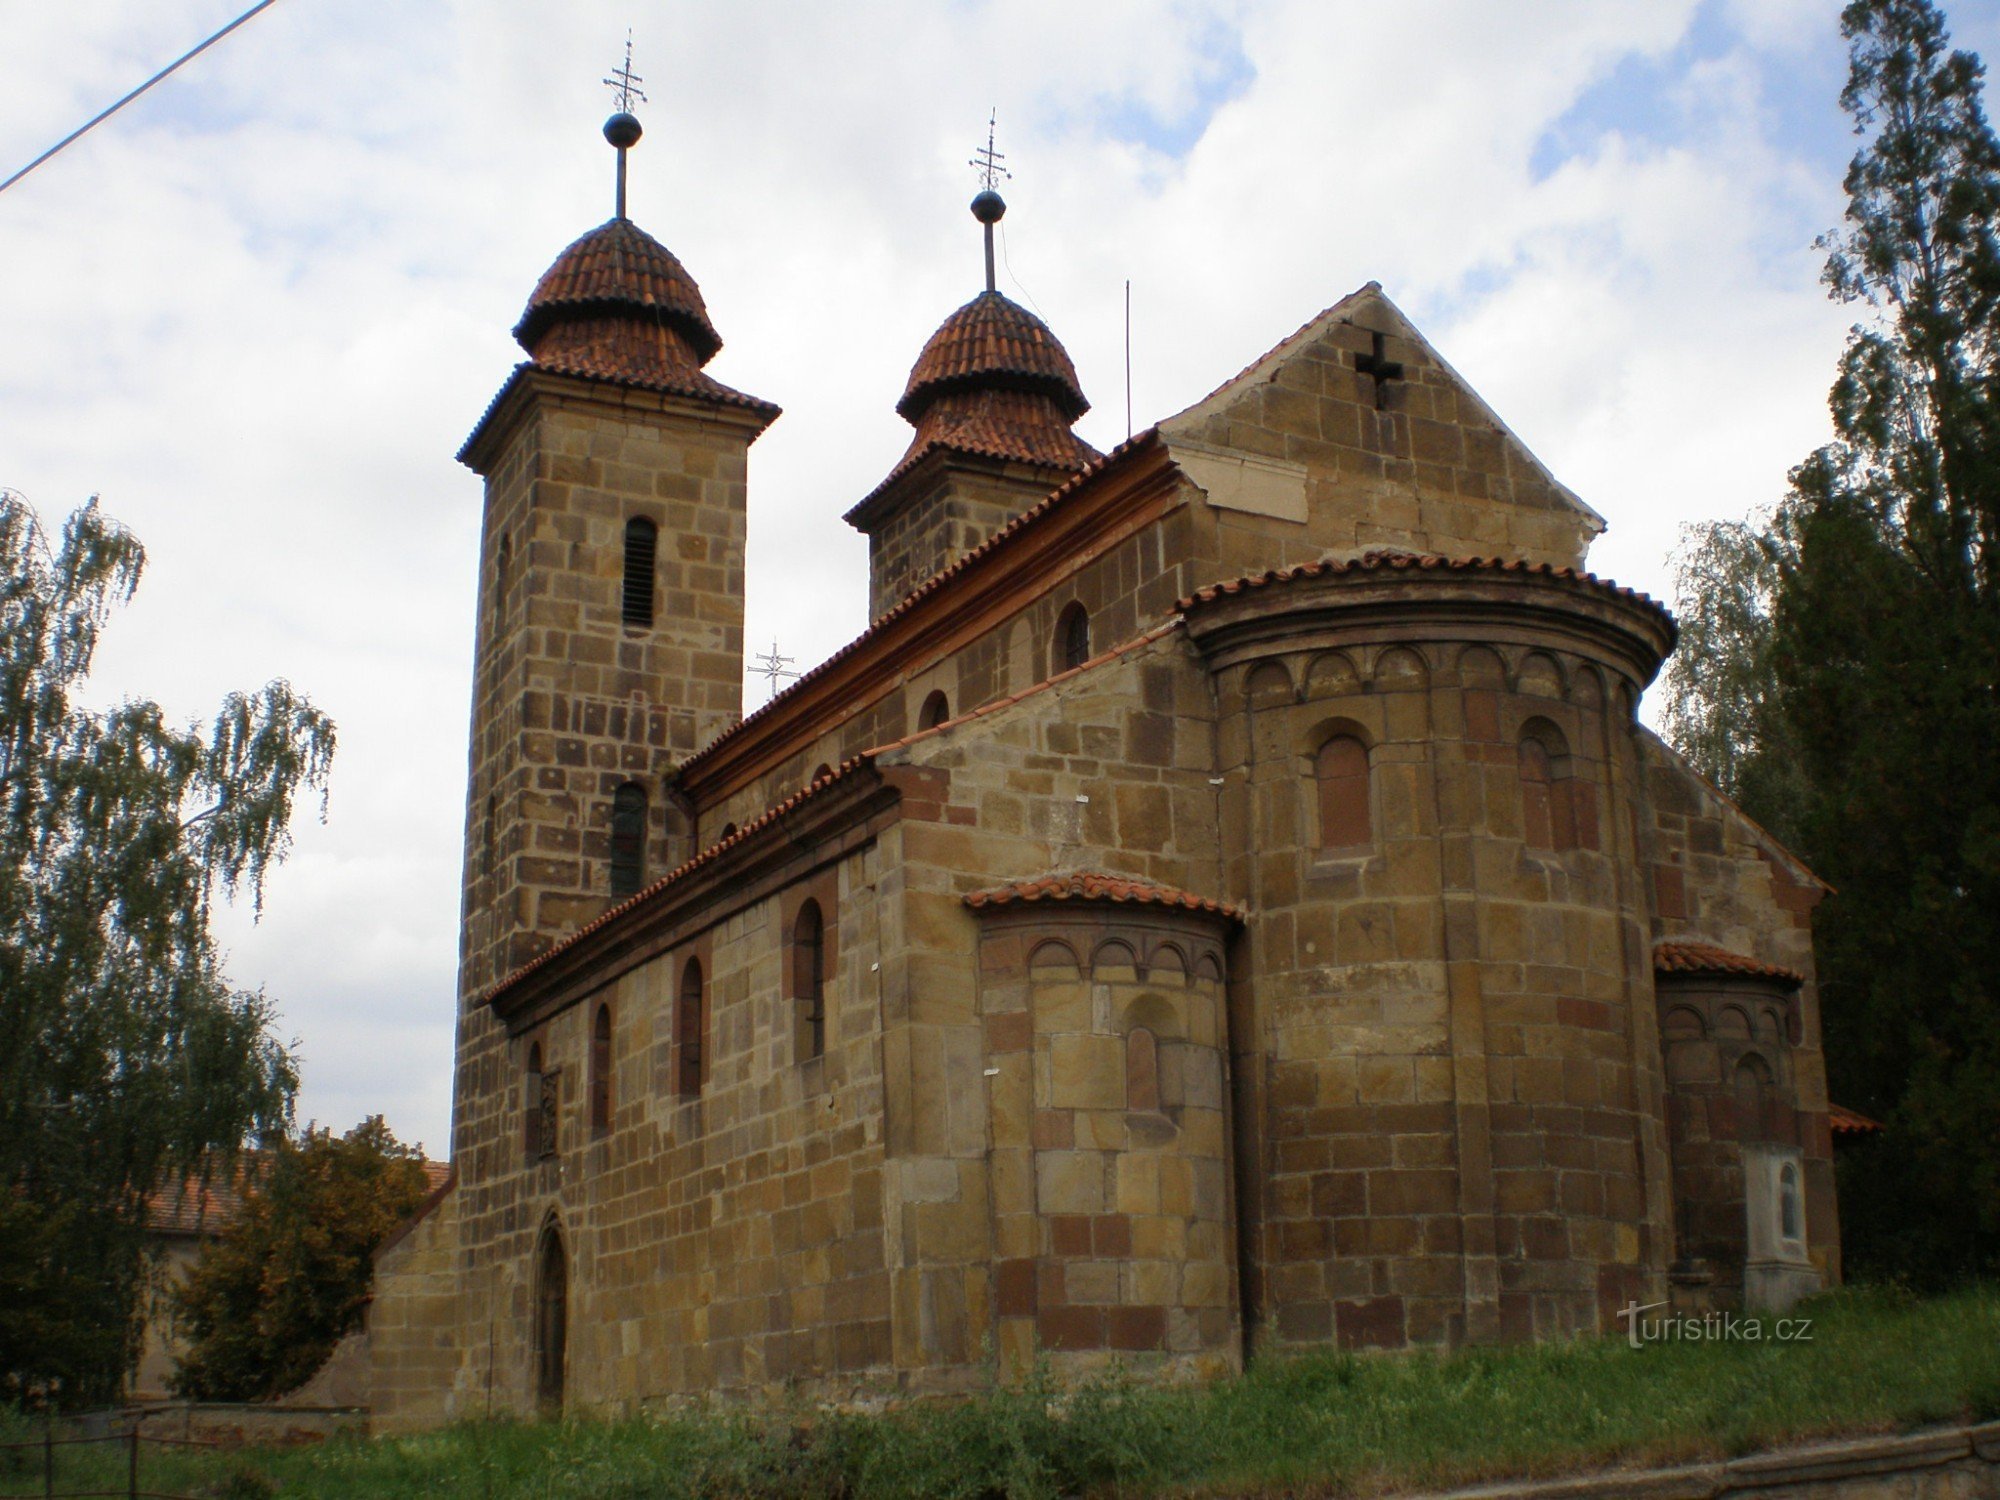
<point x="642" y="540"/>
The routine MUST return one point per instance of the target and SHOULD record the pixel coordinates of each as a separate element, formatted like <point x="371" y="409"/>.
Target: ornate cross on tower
<point x="1374" y="364"/>
<point x="989" y="205"/>
<point x="622" y="129"/>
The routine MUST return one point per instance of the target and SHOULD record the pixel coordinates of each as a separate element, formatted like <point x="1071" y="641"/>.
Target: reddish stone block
<point x="1014" y="1288"/>
<point x="1111" y="1234"/>
<point x="1669" y="894"/>
<point x="1010" y="1032"/>
<point x="1066" y="1328"/>
<point x="1136" y="1327"/>
<point x="1070" y="1234"/>
<point x="1376" y="1323"/>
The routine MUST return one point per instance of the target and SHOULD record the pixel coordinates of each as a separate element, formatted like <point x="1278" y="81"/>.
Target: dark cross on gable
<point x="1381" y="369"/>
<point x="624" y="83"/>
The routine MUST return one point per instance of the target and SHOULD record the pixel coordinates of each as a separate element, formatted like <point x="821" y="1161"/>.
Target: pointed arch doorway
<point x="551" y="1317"/>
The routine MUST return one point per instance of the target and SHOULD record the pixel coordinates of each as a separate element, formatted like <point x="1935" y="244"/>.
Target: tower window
<point x="628" y="839"/>
<point x="809" y="979"/>
<point x="502" y="567"/>
<point x="936" y="709"/>
<point x="642" y="543"/>
<point x="487" y="834"/>
<point x="600" y="1071"/>
<point x="1072" y="637"/>
<point x="543" y="1089"/>
<point x="1341" y="769"/>
<point x="689" y="1024"/>
<point x="1558" y="807"/>
<point x="1791" y="1222"/>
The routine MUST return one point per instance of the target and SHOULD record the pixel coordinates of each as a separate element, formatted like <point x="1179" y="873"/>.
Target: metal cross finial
<point x="625" y="83"/>
<point x="771" y="666"/>
<point x="986" y="161"/>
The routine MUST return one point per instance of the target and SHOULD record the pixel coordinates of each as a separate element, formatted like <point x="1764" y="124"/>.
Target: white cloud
<point x="259" y="311"/>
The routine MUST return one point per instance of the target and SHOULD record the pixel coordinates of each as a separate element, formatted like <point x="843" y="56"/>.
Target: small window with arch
<point x="628" y="840"/>
<point x="642" y="545"/>
<point x="541" y="1106"/>
<point x="1558" y="806"/>
<point x="1342" y="773"/>
<point x="936" y="709"/>
<point x="1072" y="636"/>
<point x="600" y="1071"/>
<point x="809" y="979"/>
<point x="690" y="1022"/>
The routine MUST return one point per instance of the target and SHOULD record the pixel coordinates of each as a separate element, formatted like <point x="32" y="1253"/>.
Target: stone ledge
<point x="1821" y="1471"/>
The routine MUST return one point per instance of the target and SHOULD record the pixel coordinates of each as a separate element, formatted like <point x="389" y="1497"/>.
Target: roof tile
<point x="993" y="343"/>
<point x="1090" y="886"/>
<point x="1706" y="958"/>
<point x="1422" y="562"/>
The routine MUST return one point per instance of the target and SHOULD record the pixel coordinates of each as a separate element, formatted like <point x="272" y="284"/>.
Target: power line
<point x="106" y="114"/>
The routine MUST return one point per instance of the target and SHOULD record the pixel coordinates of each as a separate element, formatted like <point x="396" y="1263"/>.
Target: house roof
<point x="1680" y="957"/>
<point x="992" y="343"/>
<point x="619" y="267"/>
<point x="1095" y="886"/>
<point x="1009" y="425"/>
<point x="1418" y="562"/>
<point x="1843" y="1121"/>
<point x="193" y="1206"/>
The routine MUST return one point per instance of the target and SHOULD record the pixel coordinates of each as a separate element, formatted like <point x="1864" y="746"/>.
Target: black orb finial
<point x="623" y="130"/>
<point x="988" y="206"/>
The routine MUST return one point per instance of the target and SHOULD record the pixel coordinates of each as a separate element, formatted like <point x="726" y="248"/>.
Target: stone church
<point x="1225" y="902"/>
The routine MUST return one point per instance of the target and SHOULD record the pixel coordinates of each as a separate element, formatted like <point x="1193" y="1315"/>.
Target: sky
<point x="257" y="312"/>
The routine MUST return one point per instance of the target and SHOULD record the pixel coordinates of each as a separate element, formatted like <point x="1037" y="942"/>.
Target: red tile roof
<point x="192" y="1207"/>
<point x="1706" y="958"/>
<point x="1843" y="1121"/>
<point x="991" y="344"/>
<point x="1093" y="886"/>
<point x="1419" y="562"/>
<point x="619" y="265"/>
<point x="932" y="585"/>
<point x="1013" y="426"/>
<point x="687" y="867"/>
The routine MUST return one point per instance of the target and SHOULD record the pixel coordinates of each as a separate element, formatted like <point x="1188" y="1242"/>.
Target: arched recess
<point x="1332" y="675"/>
<point x="1539" y="676"/>
<point x="809" y="980"/>
<point x="1558" y="807"/>
<point x="551" y="1344"/>
<point x="642" y="545"/>
<point x="1750" y="1083"/>
<point x="690" y="1025"/>
<point x="821" y="772"/>
<point x="1054" y="959"/>
<point x="1072" y="637"/>
<point x="1114" y="960"/>
<point x="1269" y="685"/>
<point x="628" y="840"/>
<point x="936" y="709"/>
<point x="533" y="1144"/>
<point x="1343" y="778"/>
<point x="1791" y="1207"/>
<point x="600" y="1071"/>
<point x="1166" y="964"/>
<point x="1399" y="669"/>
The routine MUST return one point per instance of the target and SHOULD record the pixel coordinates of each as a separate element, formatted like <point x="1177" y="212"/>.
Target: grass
<point x="1316" y="1425"/>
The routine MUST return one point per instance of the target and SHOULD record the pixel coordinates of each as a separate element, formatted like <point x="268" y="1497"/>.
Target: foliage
<point x="1843" y="671"/>
<point x="265" y="1302"/>
<point x="1322" y="1424"/>
<point x="125" y="1058"/>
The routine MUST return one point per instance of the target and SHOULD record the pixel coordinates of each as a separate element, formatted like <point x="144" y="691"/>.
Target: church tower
<point x="610" y="632"/>
<point x="992" y="397"/>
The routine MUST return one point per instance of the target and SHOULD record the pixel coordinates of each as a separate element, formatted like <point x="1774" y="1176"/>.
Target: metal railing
<point x="132" y="1442"/>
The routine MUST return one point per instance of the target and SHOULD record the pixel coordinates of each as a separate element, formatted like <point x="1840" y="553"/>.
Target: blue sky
<point x="258" y="312"/>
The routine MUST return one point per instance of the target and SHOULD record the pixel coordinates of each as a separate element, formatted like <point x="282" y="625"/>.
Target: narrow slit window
<point x="600" y="1071"/>
<point x="809" y="979"/>
<point x="628" y="839"/>
<point x="691" y="1023"/>
<point x="1346" y="820"/>
<point x="1072" y="637"/>
<point x="642" y="544"/>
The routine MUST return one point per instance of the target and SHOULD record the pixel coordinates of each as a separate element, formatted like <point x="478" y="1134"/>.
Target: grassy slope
<point x="1317" y="1425"/>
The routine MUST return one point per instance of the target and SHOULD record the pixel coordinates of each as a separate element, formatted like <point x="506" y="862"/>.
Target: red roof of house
<point x="1420" y="562"/>
<point x="1092" y="886"/>
<point x="993" y="344"/>
<point x="195" y="1207"/>
<point x="619" y="265"/>
<point x="1706" y="958"/>
<point x="1844" y="1121"/>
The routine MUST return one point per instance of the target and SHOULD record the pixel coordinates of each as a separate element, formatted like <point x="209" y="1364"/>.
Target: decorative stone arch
<point x="1558" y="806"/>
<point x="550" y="1339"/>
<point x="1166" y="964"/>
<point x="1332" y="674"/>
<point x="1113" y="958"/>
<point x="1268" y="685"/>
<point x="1399" y="669"/>
<point x="1540" y="675"/>
<point x="936" y="710"/>
<point x="1052" y="956"/>
<point x="1069" y="646"/>
<point x="1341" y="757"/>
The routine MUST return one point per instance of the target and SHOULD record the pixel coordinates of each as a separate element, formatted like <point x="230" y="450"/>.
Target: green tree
<point x="126" y="1059"/>
<point x="1845" y="681"/>
<point x="266" y="1302"/>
